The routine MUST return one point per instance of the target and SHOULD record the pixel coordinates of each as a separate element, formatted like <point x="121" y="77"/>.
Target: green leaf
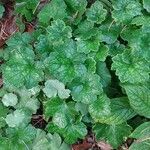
<point x="57" y="143"/>
<point x="86" y="30"/>
<point x="102" y="53"/>
<point x="109" y="31"/>
<point x="142" y="135"/>
<point x="2" y="9"/>
<point x="3" y="114"/>
<point x="77" y="5"/>
<point x="125" y="10"/>
<point x="90" y="64"/>
<point x="139" y="96"/>
<point x="58" y="32"/>
<point x="42" y="47"/>
<point x="53" y="10"/>
<point x="86" y="89"/>
<point x="96" y="13"/>
<point x="60" y="67"/>
<point x="113" y="134"/>
<point x="120" y="111"/>
<point x="104" y="74"/>
<point x="146" y="5"/>
<point x="9" y="99"/>
<point x="21" y="69"/>
<point x="17" y="118"/>
<point x="71" y="133"/>
<point x="141" y="20"/>
<point x="62" y="113"/>
<point x="54" y="87"/>
<point x="20" y="137"/>
<point x="41" y="141"/>
<point x="26" y="8"/>
<point x="87" y="46"/>
<point x="65" y="63"/>
<point x="100" y="108"/>
<point x="130" y="68"/>
<point x="138" y="40"/>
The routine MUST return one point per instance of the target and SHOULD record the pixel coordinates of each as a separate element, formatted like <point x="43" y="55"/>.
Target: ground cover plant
<point x="75" y="74"/>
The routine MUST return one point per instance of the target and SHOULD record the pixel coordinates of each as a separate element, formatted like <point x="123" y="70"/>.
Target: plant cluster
<point x="85" y="68"/>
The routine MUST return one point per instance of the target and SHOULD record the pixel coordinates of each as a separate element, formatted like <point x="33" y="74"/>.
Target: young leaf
<point x="54" y="87"/>
<point x="113" y="134"/>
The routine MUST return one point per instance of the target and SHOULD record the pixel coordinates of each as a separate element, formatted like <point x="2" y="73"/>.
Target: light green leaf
<point x="125" y="10"/>
<point x="130" y="68"/>
<point x="142" y="135"/>
<point x="146" y="5"/>
<point x="96" y="13"/>
<point x="86" y="89"/>
<point x="9" y="99"/>
<point x="53" y="10"/>
<point x="17" y="118"/>
<point x="139" y="96"/>
<point x="27" y="101"/>
<point x="58" y="32"/>
<point x="113" y="134"/>
<point x="54" y="87"/>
